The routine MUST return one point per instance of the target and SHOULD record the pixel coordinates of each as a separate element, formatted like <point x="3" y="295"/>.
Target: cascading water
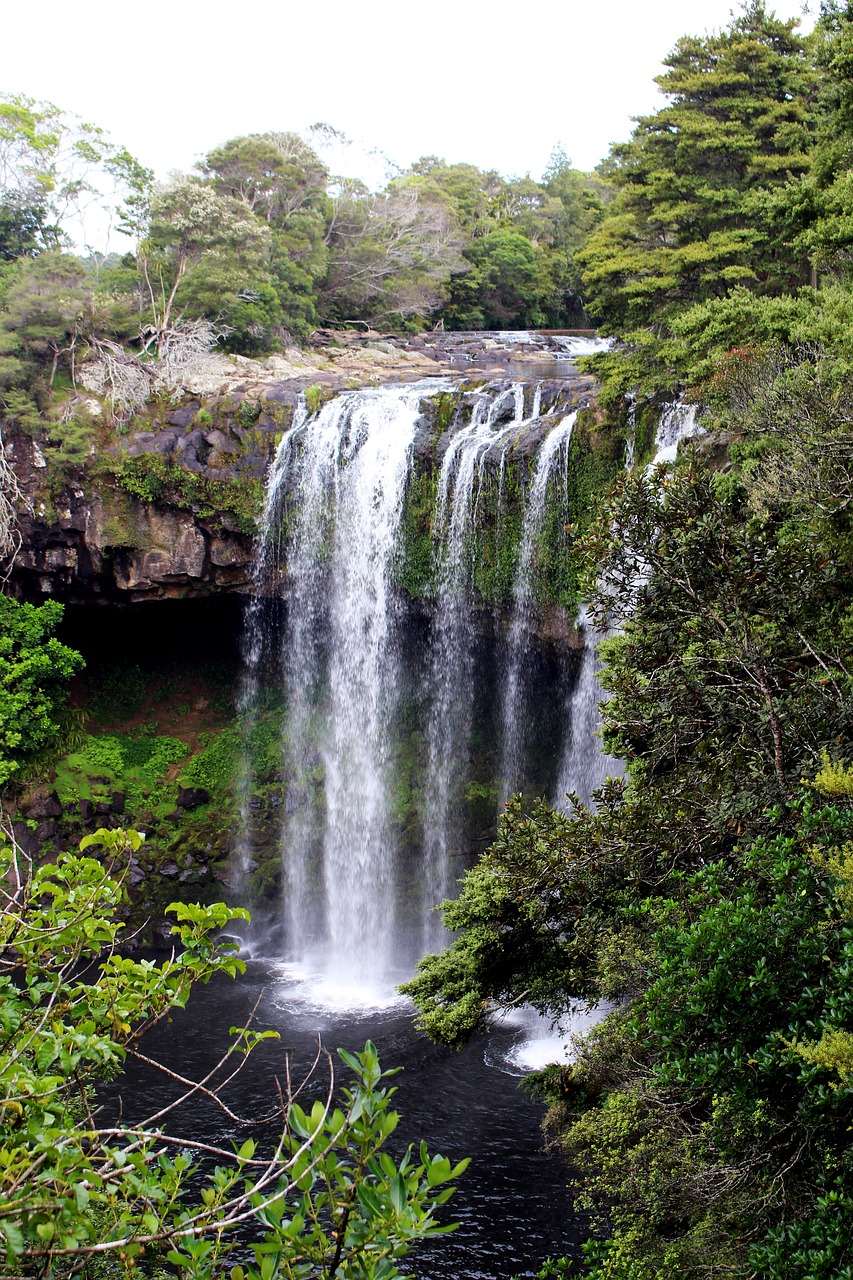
<point x="450" y="668"/>
<point x="524" y="607"/>
<point x="586" y="765"/>
<point x="338" y="485"/>
<point x="678" y="421"/>
<point x="365" y="681"/>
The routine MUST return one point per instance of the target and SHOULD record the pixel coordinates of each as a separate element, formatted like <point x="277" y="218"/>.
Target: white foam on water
<point x="579" y="346"/>
<point x="302" y="990"/>
<point x="541" y="1042"/>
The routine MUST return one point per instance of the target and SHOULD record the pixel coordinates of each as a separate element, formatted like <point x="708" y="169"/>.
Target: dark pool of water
<point x="513" y="1205"/>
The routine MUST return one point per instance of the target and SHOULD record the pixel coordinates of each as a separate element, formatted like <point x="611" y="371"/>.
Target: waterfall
<point x="338" y="485"/>
<point x="355" y="901"/>
<point x="450" y="669"/>
<point x="678" y="421"/>
<point x="524" y="606"/>
<point x="631" y="440"/>
<point x="585" y="764"/>
<point x="385" y="703"/>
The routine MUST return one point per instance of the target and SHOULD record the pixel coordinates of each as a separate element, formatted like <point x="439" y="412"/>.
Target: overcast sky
<point x="496" y="84"/>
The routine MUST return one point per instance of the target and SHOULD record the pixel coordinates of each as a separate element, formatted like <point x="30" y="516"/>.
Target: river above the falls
<point x="512" y="1204"/>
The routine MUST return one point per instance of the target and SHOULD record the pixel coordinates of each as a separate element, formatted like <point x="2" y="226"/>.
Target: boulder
<point x="183" y="417"/>
<point x="25" y="839"/>
<point x="192" y="797"/>
<point x="44" y="804"/>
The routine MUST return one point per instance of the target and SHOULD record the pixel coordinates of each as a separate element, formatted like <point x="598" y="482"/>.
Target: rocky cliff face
<point x="78" y="551"/>
<point x="167" y="510"/>
<point x="164" y="512"/>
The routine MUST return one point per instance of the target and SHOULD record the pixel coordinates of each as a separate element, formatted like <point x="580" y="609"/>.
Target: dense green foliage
<point x="708" y="895"/>
<point x="323" y="1199"/>
<point x="34" y="671"/>
<point x="258" y="247"/>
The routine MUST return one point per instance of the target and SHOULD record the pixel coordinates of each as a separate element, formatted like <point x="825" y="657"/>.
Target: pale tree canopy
<point x="67" y="174"/>
<point x="276" y="174"/>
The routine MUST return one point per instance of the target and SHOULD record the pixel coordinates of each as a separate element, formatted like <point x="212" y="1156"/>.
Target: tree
<point x="823" y="197"/>
<point x="201" y="248"/>
<point x="323" y="1200"/>
<point x="509" y="279"/>
<point x="474" y="193"/>
<point x="276" y="174"/>
<point x="283" y="181"/>
<point x="56" y="168"/>
<point x="709" y="1115"/>
<point x="582" y="200"/>
<point x="34" y="670"/>
<point x="44" y="306"/>
<point x="391" y="254"/>
<point x="531" y="279"/>
<point x="712" y="621"/>
<point x="21" y="230"/>
<point x="691" y="218"/>
<point x="51" y="317"/>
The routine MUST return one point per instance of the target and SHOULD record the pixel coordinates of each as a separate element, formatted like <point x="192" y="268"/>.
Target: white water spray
<point x="525" y="609"/>
<point x="340" y="480"/>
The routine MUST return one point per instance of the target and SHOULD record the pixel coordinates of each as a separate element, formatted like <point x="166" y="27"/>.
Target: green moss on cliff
<point x="153" y="478"/>
<point x="414" y="567"/>
<point x="596" y="460"/>
<point x="497" y="532"/>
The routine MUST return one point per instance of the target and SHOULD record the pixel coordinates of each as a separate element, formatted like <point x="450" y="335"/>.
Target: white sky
<point x="494" y="84"/>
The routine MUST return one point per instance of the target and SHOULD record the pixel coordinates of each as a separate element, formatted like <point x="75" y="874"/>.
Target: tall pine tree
<point x="695" y="213"/>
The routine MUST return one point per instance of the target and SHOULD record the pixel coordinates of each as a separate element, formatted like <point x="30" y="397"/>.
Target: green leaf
<point x="397" y="1188"/>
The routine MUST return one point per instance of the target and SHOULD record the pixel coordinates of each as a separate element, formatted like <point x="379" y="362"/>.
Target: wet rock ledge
<point x="166" y="507"/>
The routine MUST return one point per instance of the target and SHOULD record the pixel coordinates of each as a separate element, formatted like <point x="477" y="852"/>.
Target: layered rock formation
<point x="167" y="510"/>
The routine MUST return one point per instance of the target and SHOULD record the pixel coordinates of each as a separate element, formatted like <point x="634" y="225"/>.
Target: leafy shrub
<point x="154" y="755"/>
<point x="213" y="768"/>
